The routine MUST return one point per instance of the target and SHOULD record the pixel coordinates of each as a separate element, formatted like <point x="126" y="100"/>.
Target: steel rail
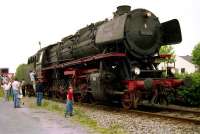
<point x="193" y="120"/>
<point x="172" y="107"/>
<point x="160" y="115"/>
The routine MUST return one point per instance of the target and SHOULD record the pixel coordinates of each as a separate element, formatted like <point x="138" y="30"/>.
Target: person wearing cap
<point x="39" y="91"/>
<point x="70" y="101"/>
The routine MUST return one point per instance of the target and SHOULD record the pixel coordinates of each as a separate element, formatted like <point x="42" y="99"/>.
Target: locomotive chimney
<point x="122" y="9"/>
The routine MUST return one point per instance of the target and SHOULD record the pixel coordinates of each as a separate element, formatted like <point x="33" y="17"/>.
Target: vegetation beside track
<point x="1" y="93"/>
<point x="79" y="116"/>
<point x="191" y="92"/>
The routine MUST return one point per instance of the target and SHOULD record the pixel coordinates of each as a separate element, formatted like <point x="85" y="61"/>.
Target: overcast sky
<point x="23" y="23"/>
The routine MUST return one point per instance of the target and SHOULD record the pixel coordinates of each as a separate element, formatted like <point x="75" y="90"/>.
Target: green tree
<point x="196" y="55"/>
<point x="168" y="49"/>
<point x="22" y="72"/>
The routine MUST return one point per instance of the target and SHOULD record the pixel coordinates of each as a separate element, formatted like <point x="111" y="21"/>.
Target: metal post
<point x="39" y="44"/>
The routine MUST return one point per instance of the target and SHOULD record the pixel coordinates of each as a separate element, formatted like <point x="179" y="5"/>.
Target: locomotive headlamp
<point x="173" y="70"/>
<point x="137" y="70"/>
<point x="113" y="67"/>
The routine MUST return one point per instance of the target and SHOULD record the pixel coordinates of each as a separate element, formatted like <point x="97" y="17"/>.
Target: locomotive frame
<point x="112" y="60"/>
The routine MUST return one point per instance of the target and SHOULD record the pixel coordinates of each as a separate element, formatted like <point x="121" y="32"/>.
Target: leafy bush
<point x="191" y="92"/>
<point x="182" y="75"/>
<point x="196" y="55"/>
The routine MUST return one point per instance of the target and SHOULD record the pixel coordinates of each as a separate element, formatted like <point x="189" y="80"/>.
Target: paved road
<point x="34" y="121"/>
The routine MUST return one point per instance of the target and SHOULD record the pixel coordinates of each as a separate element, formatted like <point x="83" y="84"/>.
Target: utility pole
<point x="39" y="44"/>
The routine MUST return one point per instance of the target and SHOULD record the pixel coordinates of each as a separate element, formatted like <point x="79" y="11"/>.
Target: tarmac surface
<point x="35" y="121"/>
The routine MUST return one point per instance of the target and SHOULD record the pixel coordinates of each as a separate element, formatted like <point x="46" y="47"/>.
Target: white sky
<point x="25" y="22"/>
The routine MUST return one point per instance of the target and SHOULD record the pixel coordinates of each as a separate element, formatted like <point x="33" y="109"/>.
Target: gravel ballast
<point x="134" y="123"/>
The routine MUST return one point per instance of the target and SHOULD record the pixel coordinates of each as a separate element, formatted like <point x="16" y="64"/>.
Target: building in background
<point x="4" y="70"/>
<point x="183" y="64"/>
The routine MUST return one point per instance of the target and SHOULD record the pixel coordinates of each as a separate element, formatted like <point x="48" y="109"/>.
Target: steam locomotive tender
<point x="111" y="60"/>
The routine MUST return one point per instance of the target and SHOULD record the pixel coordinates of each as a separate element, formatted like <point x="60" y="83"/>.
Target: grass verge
<point x="79" y="116"/>
<point x="1" y="92"/>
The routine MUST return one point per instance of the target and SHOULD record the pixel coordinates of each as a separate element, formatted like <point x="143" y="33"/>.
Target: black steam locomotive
<point x="111" y="60"/>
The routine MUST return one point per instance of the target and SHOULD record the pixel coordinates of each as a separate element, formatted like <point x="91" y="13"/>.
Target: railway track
<point x="174" y="113"/>
<point x="192" y="117"/>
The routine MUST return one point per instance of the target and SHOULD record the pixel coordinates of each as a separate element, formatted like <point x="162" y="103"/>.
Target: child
<point x="70" y="101"/>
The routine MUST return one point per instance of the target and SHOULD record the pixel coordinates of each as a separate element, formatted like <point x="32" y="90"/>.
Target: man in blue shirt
<point x="39" y="91"/>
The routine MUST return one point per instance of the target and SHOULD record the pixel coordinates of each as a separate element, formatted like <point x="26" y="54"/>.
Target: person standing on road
<point x="39" y="91"/>
<point x="70" y="101"/>
<point x="5" y="79"/>
<point x="23" y="88"/>
<point x="15" y="88"/>
<point x="1" y="79"/>
<point x="6" y="86"/>
<point x="20" y="95"/>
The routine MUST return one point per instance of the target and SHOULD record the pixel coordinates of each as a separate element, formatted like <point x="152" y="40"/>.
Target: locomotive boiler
<point x="111" y="60"/>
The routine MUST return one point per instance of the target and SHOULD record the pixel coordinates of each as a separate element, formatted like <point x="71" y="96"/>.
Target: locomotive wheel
<point x="127" y="100"/>
<point x="87" y="98"/>
<point x="90" y="98"/>
<point x="78" y="97"/>
<point x="161" y="96"/>
<point x="160" y="100"/>
<point x="131" y="99"/>
<point x="136" y="98"/>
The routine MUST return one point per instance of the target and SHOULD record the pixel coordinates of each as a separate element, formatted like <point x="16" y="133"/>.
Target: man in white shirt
<point x="32" y="77"/>
<point x="15" y="88"/>
<point x="6" y="86"/>
<point x="5" y="79"/>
